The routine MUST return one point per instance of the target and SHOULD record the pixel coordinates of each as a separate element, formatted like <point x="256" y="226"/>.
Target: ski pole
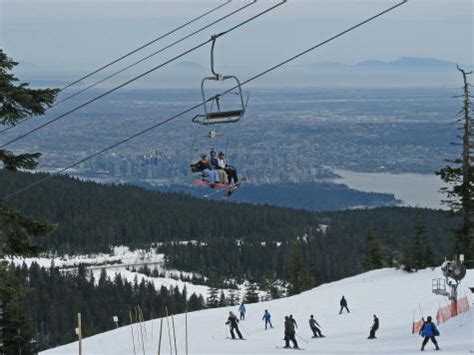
<point x="243" y="330"/>
<point x="421" y="311"/>
<point x="306" y="341"/>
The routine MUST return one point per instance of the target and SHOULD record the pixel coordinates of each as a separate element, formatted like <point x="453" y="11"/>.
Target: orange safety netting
<point x="444" y="314"/>
<point x="417" y="326"/>
<point x="463" y="305"/>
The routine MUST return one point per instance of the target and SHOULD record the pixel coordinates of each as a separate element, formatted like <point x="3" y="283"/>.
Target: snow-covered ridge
<point x="128" y="263"/>
<point x="392" y="294"/>
<point x="119" y="255"/>
<point x="121" y="261"/>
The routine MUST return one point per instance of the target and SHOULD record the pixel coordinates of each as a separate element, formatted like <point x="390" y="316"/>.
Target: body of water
<point x="420" y="190"/>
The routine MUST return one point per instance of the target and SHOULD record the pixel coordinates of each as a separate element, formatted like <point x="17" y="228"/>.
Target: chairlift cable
<point x="153" y="54"/>
<point x="116" y="61"/>
<point x="145" y="45"/>
<point x="161" y="123"/>
<point x="138" y="77"/>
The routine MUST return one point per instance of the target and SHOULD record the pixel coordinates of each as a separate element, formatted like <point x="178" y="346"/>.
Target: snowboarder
<point x="373" y="329"/>
<point x="290" y="333"/>
<point x="242" y="311"/>
<point x="314" y="325"/>
<point x="343" y="304"/>
<point x="429" y="331"/>
<point x="267" y="319"/>
<point x="293" y="321"/>
<point x="232" y="321"/>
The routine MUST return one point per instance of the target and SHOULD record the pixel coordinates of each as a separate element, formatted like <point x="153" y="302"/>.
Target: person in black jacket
<point x="343" y="304"/>
<point x="230" y="170"/>
<point x="314" y="325"/>
<point x="293" y="320"/>
<point x="290" y="333"/>
<point x="373" y="329"/>
<point x="232" y="321"/>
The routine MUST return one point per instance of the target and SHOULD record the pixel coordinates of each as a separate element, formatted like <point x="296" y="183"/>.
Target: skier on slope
<point x="374" y="328"/>
<point x="267" y="318"/>
<point x="343" y="304"/>
<point x="313" y="324"/>
<point x="232" y="322"/>
<point x="290" y="333"/>
<point x="429" y="331"/>
<point x="242" y="311"/>
<point x="293" y="321"/>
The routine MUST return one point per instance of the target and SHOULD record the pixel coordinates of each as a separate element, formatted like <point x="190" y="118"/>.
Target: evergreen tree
<point x="390" y="250"/>
<point x="233" y="297"/>
<point x="275" y="291"/>
<point x="296" y="277"/>
<point x="17" y="102"/>
<point x="373" y="259"/>
<point x="407" y="259"/>
<point x="418" y="254"/>
<point x="459" y="175"/>
<point x="222" y="299"/>
<point x="17" y="333"/>
<point x="213" y="298"/>
<point x="251" y="292"/>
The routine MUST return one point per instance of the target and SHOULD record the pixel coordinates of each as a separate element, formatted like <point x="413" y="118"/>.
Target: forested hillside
<point x="402" y="236"/>
<point x="93" y="217"/>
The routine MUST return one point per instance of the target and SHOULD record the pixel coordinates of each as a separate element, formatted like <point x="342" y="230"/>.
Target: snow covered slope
<point x="391" y="294"/>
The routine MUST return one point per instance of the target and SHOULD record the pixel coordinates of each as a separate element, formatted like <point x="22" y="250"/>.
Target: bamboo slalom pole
<point x="174" y="336"/>
<point x="143" y="322"/>
<point x="186" y="331"/>
<point x="133" y="336"/>
<point x="169" y="330"/>
<point x="79" y="332"/>
<point x="140" y="328"/>
<point x="161" y="335"/>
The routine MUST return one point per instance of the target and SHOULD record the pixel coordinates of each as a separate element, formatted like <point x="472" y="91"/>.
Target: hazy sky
<point x="73" y="36"/>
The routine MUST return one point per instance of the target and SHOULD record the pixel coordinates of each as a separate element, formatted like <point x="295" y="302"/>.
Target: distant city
<point x="286" y="137"/>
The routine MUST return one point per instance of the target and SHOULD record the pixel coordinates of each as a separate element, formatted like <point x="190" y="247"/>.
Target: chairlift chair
<point x="217" y="116"/>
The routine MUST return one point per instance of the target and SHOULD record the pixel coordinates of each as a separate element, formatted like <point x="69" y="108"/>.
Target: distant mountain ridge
<point x="402" y="62"/>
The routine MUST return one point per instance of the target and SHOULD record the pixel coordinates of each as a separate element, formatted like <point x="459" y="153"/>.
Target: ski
<point x="234" y="187"/>
<point x="282" y="347"/>
<point x="235" y="338"/>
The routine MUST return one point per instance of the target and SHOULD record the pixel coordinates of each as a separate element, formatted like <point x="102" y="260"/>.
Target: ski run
<point x="393" y="295"/>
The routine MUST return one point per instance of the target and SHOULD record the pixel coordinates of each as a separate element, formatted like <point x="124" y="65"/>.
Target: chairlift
<point x="438" y="287"/>
<point x="213" y="112"/>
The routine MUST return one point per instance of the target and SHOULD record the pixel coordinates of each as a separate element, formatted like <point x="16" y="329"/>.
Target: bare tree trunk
<point x="466" y="208"/>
